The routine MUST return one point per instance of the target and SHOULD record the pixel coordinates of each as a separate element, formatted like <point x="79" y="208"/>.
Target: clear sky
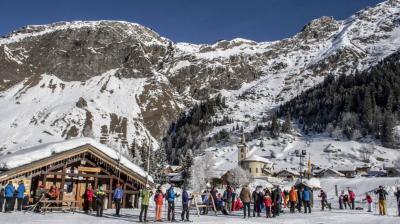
<point x="195" y="21"/>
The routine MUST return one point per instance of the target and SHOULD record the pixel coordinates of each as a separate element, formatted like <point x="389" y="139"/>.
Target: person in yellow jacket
<point x="99" y="195"/>
<point x="292" y="199"/>
<point x="145" y="194"/>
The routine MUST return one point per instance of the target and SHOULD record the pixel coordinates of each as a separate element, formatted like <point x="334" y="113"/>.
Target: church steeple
<point x="242" y="149"/>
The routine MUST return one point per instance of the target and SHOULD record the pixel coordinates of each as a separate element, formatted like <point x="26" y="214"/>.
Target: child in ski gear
<point x="346" y="201"/>
<point x="145" y="194"/>
<point x="117" y="198"/>
<point x="381" y="192"/>
<point x="268" y="205"/>
<point x="159" y="199"/>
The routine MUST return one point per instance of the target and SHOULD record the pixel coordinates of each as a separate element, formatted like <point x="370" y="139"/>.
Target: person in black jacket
<point x="381" y="192"/>
<point x="397" y="194"/>
<point x="2" y="198"/>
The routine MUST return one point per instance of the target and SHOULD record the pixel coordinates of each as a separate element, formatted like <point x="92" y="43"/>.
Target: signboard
<point x="89" y="169"/>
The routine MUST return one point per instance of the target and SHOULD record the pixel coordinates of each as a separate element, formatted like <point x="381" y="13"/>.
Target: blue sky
<point x="200" y="21"/>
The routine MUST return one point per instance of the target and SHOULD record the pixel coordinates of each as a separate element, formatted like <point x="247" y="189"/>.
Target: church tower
<point x="242" y="149"/>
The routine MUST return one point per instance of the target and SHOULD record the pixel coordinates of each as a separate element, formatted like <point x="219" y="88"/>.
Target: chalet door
<point x="81" y="186"/>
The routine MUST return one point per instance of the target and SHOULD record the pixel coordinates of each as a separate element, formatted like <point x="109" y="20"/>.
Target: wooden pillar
<point x="64" y="171"/>
<point x="44" y="180"/>
<point x="124" y="197"/>
<point x="110" y="194"/>
<point x="96" y="182"/>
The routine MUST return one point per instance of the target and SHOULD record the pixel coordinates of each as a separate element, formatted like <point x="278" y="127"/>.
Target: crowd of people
<point x="272" y="201"/>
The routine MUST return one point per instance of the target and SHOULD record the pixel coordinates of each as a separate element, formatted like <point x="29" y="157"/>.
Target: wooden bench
<point x="63" y="205"/>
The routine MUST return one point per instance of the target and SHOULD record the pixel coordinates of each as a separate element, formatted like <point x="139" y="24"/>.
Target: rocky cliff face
<point x="118" y="81"/>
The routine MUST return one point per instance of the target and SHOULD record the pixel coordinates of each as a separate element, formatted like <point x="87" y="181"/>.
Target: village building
<point x="329" y="172"/>
<point x="349" y="171"/>
<point x="256" y="165"/>
<point x="71" y="166"/>
<point x="287" y="174"/>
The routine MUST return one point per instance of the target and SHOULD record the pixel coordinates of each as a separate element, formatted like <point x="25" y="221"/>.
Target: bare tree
<point x="366" y="152"/>
<point x="239" y="177"/>
<point x="201" y="170"/>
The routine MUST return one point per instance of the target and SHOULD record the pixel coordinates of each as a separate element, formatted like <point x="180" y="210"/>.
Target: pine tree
<point x="387" y="130"/>
<point x="287" y="126"/>
<point x="275" y="127"/>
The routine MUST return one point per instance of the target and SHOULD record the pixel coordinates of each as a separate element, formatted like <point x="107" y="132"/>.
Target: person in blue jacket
<point x="9" y="195"/>
<point x="185" y="204"/>
<point x="117" y="198"/>
<point x="306" y="199"/>
<point x="20" y="195"/>
<point x="171" y="195"/>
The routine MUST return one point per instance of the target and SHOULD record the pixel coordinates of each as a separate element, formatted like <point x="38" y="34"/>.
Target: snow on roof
<point x="293" y="172"/>
<point x="257" y="159"/>
<point x="29" y="155"/>
<point x="345" y="168"/>
<point x="332" y="170"/>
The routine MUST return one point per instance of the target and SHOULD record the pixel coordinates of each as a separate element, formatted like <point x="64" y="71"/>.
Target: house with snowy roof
<point x="256" y="165"/>
<point x="71" y="166"/>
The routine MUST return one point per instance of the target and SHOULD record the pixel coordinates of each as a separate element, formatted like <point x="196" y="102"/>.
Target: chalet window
<point x="256" y="170"/>
<point x="250" y="170"/>
<point x="242" y="150"/>
<point x="70" y="186"/>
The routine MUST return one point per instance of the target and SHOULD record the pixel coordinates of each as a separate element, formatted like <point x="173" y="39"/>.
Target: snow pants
<point x="307" y="206"/>
<point x="99" y="207"/>
<point x="246" y="206"/>
<point x="9" y="204"/>
<point x="292" y="206"/>
<point x="158" y="212"/>
<point x="369" y="206"/>
<point x="171" y="209"/>
<point x="143" y="209"/>
<point x="117" y="206"/>
<point x="382" y="207"/>
<point x="185" y="212"/>
<point x="1" y="204"/>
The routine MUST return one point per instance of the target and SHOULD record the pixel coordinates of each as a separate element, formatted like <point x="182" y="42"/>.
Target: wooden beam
<point x="85" y="175"/>
<point x="110" y="194"/>
<point x="64" y="170"/>
<point x="124" y="197"/>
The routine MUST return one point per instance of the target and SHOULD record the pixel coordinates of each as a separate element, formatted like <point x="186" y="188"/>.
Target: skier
<point x="145" y="194"/>
<point x="89" y="199"/>
<point x="228" y="198"/>
<point x="185" y="205"/>
<point x="20" y="195"/>
<point x="117" y="198"/>
<point x="171" y="195"/>
<point x="292" y="199"/>
<point x="1" y="199"/>
<point x="397" y="194"/>
<point x="368" y="198"/>
<point x="306" y="199"/>
<point x="382" y="200"/>
<point x="9" y="195"/>
<point x="268" y="205"/>
<point x="245" y="196"/>
<point x="99" y="194"/>
<point x="352" y="198"/>
<point x="159" y="199"/>
<point x="323" y="197"/>
<point x="341" y="200"/>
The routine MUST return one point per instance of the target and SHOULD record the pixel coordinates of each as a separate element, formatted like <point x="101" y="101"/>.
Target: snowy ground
<point x="131" y="216"/>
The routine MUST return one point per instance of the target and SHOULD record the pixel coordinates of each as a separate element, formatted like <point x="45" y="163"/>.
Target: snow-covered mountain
<point x="121" y="81"/>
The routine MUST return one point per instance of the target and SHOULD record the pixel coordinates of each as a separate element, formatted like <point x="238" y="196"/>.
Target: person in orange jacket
<point x="292" y="199"/>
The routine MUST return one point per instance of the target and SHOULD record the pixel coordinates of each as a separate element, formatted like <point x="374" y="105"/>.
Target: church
<point x="256" y="165"/>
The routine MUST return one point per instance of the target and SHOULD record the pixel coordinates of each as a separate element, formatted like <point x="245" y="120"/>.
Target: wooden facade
<point x="73" y="170"/>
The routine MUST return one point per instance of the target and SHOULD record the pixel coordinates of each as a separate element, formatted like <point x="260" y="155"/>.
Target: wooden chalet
<point x="71" y="166"/>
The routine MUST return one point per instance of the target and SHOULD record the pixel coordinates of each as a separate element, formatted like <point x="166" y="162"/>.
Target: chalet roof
<point x="293" y="172"/>
<point x="257" y="158"/>
<point x="332" y="171"/>
<point x="36" y="153"/>
<point x="347" y="168"/>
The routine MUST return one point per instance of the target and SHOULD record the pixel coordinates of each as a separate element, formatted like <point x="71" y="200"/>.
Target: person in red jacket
<point x="159" y="200"/>
<point x="268" y="204"/>
<point x="368" y="198"/>
<point x="89" y="199"/>
<point x="352" y="198"/>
